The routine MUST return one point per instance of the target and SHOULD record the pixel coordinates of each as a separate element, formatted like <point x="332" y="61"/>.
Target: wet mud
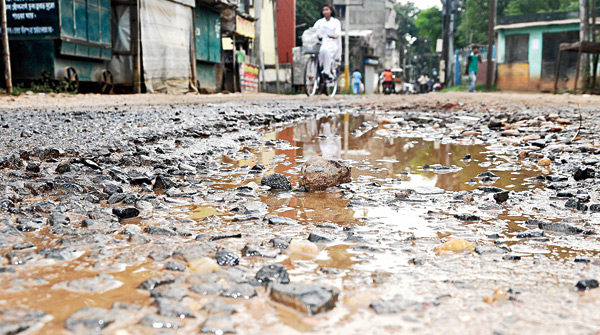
<point x="456" y="219"/>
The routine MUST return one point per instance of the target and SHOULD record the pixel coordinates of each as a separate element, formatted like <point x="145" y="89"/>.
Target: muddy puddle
<point x="411" y="190"/>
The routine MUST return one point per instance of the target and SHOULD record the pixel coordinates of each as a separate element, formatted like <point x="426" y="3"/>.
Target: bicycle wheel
<point x="311" y="77"/>
<point x="331" y="85"/>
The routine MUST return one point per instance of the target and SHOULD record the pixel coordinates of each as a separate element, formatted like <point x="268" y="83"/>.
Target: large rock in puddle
<point x="319" y="173"/>
<point x="308" y="298"/>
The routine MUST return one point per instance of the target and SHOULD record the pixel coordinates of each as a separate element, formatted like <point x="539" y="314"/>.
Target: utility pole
<point x="7" y="68"/>
<point x="276" y="46"/>
<point x="491" y="25"/>
<point x="347" y="49"/>
<point x="256" y="49"/>
<point x="584" y="36"/>
<point x="446" y="40"/>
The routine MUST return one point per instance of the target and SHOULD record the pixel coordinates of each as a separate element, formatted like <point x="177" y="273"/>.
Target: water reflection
<point x="379" y="153"/>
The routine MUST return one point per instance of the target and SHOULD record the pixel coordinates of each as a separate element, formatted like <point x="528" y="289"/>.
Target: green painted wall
<point x="535" y="43"/>
<point x="207" y="75"/>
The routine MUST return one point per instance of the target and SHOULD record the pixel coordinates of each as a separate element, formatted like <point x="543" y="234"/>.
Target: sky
<point x="424" y="4"/>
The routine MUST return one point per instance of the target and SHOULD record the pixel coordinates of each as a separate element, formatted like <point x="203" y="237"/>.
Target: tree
<point x="473" y="24"/>
<point x="516" y="7"/>
<point x="307" y="13"/>
<point x="429" y="23"/>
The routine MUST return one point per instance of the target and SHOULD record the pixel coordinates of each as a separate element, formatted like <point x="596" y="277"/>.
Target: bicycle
<point x="314" y="80"/>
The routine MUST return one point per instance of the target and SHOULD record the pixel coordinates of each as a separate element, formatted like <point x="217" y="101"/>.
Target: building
<point x="373" y="37"/>
<point x="286" y="30"/>
<point x="528" y="47"/>
<point x="378" y="16"/>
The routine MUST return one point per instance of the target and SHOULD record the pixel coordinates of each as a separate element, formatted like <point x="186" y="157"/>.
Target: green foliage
<point x="307" y="13"/>
<point x="516" y="7"/>
<point x="465" y="88"/>
<point x="429" y="23"/>
<point x="407" y="14"/>
<point x="473" y="25"/>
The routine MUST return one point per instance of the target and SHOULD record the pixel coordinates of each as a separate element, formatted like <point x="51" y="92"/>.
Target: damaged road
<point x="437" y="213"/>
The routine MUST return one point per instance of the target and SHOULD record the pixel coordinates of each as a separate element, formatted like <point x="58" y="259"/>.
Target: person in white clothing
<point x="329" y="29"/>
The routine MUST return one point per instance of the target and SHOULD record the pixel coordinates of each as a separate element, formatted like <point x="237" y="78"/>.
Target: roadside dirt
<point x="151" y="214"/>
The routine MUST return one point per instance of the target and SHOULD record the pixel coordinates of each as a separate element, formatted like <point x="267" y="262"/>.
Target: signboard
<point x="32" y="17"/>
<point x="244" y="27"/>
<point x="249" y="77"/>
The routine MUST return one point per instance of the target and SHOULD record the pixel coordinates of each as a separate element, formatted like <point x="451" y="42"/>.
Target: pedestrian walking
<point x="473" y="61"/>
<point x="356" y="80"/>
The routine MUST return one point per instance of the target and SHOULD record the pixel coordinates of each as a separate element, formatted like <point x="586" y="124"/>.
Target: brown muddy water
<point x="393" y="258"/>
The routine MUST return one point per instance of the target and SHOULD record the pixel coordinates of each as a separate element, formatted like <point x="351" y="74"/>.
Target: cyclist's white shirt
<point x="326" y="28"/>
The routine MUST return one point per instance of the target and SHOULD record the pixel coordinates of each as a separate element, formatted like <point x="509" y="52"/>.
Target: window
<point x="340" y="11"/>
<point x="517" y="48"/>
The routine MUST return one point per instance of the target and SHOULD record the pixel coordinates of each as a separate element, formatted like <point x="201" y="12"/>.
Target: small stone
<point x="280" y="242"/>
<point x="58" y="219"/>
<point x="126" y="213"/>
<point x="62" y="254"/>
<point x="467" y="217"/>
<point x="280" y="220"/>
<point x="169" y="309"/>
<point x="160" y="255"/>
<point x="303" y="247"/>
<point x="318" y="174"/>
<point x="501" y="196"/>
<point x="454" y="245"/>
<point x="140" y="180"/>
<point x="272" y="273"/>
<point x="158" y="322"/>
<point x="150" y="284"/>
<point x="317" y="237"/>
<point x="159" y="230"/>
<point x="90" y="319"/>
<point x="307" y="298"/>
<point x="175" y="266"/>
<point x="258" y="251"/>
<point x="560" y="227"/>
<point x="203" y="265"/>
<point x="586" y="284"/>
<point x="583" y="173"/>
<point x="169" y="291"/>
<point x="163" y="183"/>
<point x="252" y="207"/>
<point x="276" y="181"/>
<point x="227" y="258"/>
<point x="544" y="162"/>
<point x="63" y="168"/>
<point x="29" y="225"/>
<point x="111" y="188"/>
<point x="218" y="325"/>
<point x="207" y="288"/>
<point x="393" y="306"/>
<point x="218" y="307"/>
<point x="531" y="234"/>
<point x="244" y="291"/>
<point x="32" y="167"/>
